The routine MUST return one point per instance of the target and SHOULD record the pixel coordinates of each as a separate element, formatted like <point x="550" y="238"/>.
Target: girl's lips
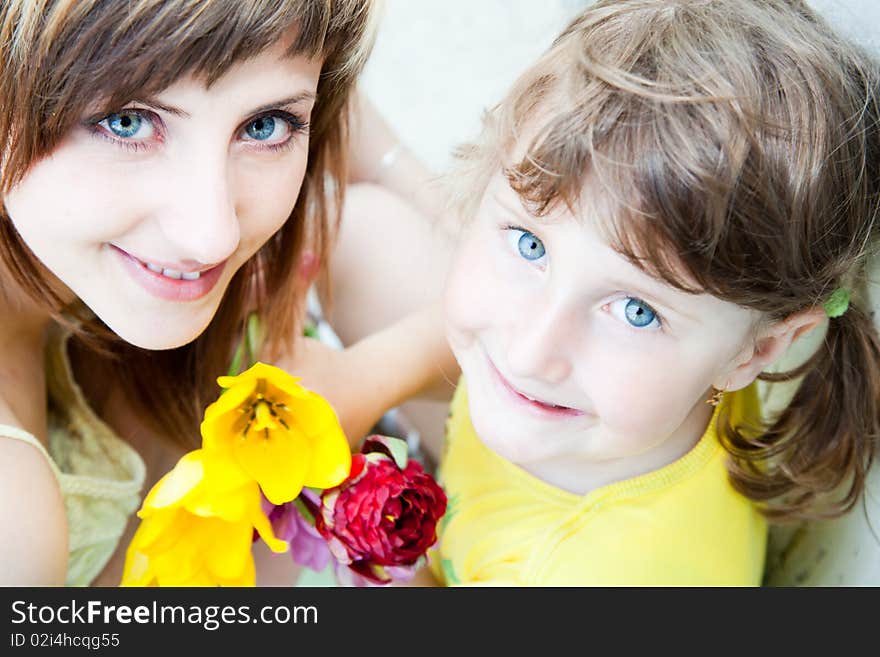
<point x="167" y="288"/>
<point x="532" y="405"/>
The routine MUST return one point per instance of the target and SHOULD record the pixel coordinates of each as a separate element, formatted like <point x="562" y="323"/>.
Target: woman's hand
<point x="363" y="381"/>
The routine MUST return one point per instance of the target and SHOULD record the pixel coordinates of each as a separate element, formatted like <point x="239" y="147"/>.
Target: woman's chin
<point x="155" y="336"/>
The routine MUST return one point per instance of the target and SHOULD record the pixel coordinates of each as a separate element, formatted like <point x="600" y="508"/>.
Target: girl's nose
<point x="539" y="343"/>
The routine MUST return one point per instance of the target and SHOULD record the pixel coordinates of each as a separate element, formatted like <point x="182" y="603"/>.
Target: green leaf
<point x="399" y="452"/>
<point x="448" y="571"/>
<point x="304" y="510"/>
<point x="396" y="448"/>
<point x="235" y="365"/>
<point x="252" y="337"/>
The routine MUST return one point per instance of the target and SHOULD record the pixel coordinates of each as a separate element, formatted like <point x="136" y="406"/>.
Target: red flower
<point x="382" y="517"/>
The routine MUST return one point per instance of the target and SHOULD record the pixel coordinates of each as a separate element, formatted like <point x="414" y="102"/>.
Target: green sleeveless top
<point x="100" y="475"/>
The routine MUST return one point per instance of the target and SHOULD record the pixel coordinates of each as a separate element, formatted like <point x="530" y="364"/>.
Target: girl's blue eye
<point x="527" y="244"/>
<point x="635" y="312"/>
<point x="128" y="125"/>
<point x="638" y="314"/>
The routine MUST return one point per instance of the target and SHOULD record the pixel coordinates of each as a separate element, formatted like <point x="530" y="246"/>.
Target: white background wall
<point x="438" y="63"/>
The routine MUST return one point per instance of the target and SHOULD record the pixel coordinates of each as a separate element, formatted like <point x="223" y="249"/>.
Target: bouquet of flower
<point x="275" y="465"/>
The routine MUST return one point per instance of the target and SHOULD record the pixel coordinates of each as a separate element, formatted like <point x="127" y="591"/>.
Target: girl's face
<point x="145" y="214"/>
<point x="573" y="355"/>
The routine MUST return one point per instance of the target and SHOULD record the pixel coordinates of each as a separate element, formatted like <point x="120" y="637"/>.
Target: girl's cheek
<point x="475" y="292"/>
<point x="645" y="396"/>
<point x="462" y="297"/>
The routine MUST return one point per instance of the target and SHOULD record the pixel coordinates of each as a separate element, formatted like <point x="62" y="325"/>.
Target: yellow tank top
<point x="680" y="525"/>
<point x="100" y="475"/>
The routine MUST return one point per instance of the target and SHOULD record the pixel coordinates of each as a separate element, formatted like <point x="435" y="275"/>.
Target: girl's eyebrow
<point x="296" y="99"/>
<point x="519" y="211"/>
<point x="647" y="294"/>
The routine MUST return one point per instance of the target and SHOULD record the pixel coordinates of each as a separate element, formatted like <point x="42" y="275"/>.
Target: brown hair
<point x="738" y="142"/>
<point x="57" y="56"/>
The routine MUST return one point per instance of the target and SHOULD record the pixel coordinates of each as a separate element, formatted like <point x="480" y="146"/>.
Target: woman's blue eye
<point x="261" y="129"/>
<point x="639" y="314"/>
<point x="529" y="246"/>
<point x="276" y="129"/>
<point x="271" y="130"/>
<point x="124" y="124"/>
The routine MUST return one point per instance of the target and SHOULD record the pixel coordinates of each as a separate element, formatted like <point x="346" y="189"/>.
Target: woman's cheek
<point x="266" y="193"/>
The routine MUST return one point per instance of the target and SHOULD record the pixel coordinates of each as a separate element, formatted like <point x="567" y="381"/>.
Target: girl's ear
<point x="769" y="346"/>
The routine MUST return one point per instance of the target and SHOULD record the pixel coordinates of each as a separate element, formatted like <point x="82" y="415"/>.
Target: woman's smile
<point x="172" y="284"/>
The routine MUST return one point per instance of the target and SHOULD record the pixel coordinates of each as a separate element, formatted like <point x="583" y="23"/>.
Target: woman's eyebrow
<point x="296" y="99"/>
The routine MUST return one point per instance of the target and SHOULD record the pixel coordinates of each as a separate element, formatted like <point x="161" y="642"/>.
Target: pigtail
<point x="812" y="460"/>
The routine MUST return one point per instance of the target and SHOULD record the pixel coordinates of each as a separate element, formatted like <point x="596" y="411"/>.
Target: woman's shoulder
<point x="31" y="509"/>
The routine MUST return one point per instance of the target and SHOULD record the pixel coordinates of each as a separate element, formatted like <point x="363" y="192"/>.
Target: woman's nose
<point x="539" y="342"/>
<point x="200" y="218"/>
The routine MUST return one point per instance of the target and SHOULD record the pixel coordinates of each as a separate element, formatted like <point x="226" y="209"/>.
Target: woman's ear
<point x="772" y="341"/>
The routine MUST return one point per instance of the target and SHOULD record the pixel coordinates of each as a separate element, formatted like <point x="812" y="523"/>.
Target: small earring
<point x="715" y="399"/>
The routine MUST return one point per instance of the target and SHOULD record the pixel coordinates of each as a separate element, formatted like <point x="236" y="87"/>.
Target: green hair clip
<point x="837" y="303"/>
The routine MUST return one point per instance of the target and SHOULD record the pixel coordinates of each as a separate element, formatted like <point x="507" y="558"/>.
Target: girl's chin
<point x="497" y="435"/>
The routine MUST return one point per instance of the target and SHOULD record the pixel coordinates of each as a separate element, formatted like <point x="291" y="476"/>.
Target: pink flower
<point x="307" y="547"/>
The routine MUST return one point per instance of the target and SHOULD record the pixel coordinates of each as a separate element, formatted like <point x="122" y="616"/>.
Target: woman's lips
<point x="533" y="405"/>
<point x="164" y="287"/>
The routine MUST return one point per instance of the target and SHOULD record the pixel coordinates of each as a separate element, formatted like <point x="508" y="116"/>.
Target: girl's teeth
<point x="173" y="273"/>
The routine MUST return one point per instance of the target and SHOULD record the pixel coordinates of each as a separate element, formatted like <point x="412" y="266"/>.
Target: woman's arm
<point x="389" y="262"/>
<point x="379" y="372"/>
<point x="378" y="156"/>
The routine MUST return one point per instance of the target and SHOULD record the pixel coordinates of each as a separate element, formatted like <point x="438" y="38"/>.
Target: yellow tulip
<point x="279" y="433"/>
<point x="197" y="527"/>
<point x="177" y="548"/>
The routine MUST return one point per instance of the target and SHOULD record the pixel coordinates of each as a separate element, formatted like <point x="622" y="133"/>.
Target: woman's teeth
<point x="543" y="403"/>
<point x="173" y="273"/>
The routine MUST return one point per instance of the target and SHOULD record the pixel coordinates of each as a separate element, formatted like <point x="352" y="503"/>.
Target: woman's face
<point x="146" y="214"/>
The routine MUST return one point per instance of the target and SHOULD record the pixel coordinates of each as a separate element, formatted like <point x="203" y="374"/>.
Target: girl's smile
<point x="521" y="401"/>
